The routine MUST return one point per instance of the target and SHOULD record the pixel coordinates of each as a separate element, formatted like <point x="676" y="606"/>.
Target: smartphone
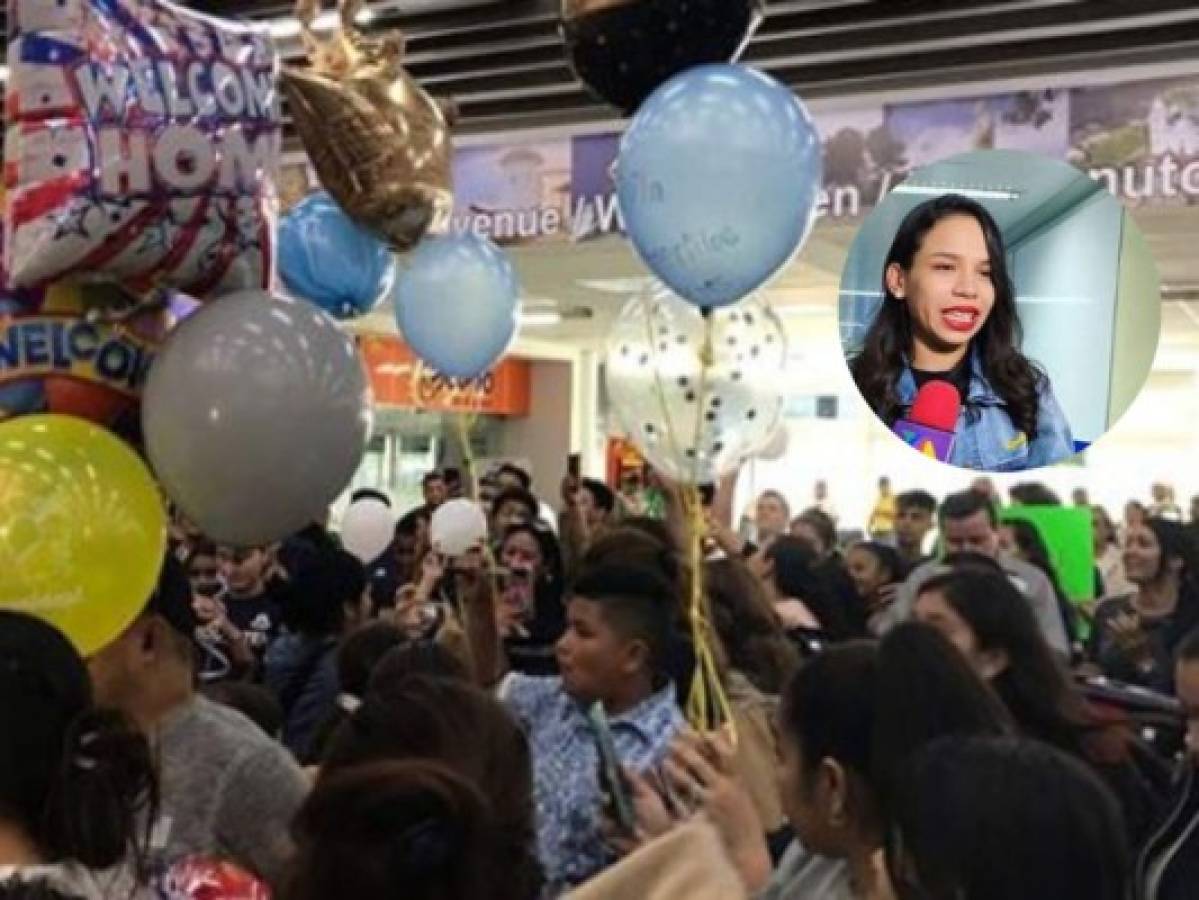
<point x="574" y="465"/>
<point x="619" y="802"/>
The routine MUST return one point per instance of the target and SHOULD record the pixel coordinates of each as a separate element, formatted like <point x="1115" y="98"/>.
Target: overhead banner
<point x="1141" y="140"/>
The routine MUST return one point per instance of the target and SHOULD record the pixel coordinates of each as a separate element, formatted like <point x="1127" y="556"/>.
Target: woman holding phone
<point x="531" y="608"/>
<point x="949" y="314"/>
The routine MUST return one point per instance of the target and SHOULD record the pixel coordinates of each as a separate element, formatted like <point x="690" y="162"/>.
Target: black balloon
<point x="624" y="49"/>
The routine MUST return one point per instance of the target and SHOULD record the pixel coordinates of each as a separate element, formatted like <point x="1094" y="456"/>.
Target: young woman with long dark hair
<point x="949" y="313"/>
<point x="984" y="615"/>
<point x="1134" y="636"/>
<point x="78" y="791"/>
<point x="531" y="604"/>
<point x="1003" y="819"/>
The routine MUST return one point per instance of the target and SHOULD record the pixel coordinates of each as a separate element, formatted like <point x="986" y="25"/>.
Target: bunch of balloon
<point x="718" y="178"/>
<point x="122" y="191"/>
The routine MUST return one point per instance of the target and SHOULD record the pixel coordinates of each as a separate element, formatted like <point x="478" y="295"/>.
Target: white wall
<point x="1068" y="275"/>
<point x="544" y="436"/>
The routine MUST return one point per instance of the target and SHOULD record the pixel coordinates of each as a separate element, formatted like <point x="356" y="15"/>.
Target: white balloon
<point x="692" y="422"/>
<point x="367" y="529"/>
<point x="458" y="526"/>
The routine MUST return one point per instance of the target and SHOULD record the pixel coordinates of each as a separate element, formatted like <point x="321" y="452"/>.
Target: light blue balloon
<point x="718" y="179"/>
<point x="328" y="259"/>
<point x="457" y="304"/>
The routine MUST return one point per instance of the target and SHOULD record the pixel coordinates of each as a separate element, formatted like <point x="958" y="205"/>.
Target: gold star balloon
<point x="379" y="143"/>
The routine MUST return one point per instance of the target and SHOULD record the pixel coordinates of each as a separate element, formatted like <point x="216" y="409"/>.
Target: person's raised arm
<point x="489" y="662"/>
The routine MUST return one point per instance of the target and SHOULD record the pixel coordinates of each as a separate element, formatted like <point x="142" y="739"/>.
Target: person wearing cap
<point x="227" y="789"/>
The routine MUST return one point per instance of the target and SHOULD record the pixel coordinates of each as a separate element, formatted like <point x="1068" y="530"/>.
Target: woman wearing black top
<point x="1135" y="636"/>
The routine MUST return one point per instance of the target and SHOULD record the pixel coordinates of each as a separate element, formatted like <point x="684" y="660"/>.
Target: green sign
<point x="1066" y="531"/>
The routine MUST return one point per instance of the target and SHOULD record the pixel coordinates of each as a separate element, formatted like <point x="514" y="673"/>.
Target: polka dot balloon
<point x="690" y="424"/>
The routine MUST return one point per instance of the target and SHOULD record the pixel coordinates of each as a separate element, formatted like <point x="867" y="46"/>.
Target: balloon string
<point x="706" y="356"/>
<point x="466" y="423"/>
<point x="464" y="420"/>
<point x="708" y="705"/>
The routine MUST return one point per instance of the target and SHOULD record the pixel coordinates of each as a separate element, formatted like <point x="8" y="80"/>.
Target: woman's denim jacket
<point x="986" y="437"/>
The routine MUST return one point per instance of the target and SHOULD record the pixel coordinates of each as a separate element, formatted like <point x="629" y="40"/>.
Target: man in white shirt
<point x="970" y="524"/>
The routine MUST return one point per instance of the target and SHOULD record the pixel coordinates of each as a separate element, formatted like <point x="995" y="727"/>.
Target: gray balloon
<point x="691" y="425"/>
<point x="256" y="415"/>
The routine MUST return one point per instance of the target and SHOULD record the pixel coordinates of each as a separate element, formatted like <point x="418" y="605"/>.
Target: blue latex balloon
<point x="718" y="178"/>
<point x="328" y="259"/>
<point x="457" y="304"/>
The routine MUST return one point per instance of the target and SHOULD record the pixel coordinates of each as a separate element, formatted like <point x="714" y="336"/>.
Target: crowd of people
<point x="920" y="712"/>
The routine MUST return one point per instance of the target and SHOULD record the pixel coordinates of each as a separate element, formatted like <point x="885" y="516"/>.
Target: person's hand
<point x="432" y="569"/>
<point x="1126" y="630"/>
<point x="794" y="614"/>
<point x="701" y="769"/>
<point x="882" y="599"/>
<point x="411" y="613"/>
<point x="207" y="609"/>
<point x="570" y="491"/>
<point x="653" y="817"/>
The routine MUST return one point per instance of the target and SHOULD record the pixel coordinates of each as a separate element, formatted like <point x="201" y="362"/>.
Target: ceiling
<point x="502" y="60"/>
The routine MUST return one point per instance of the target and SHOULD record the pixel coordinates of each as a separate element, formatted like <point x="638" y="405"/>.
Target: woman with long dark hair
<point x="949" y="314"/>
<point x="391" y="828"/>
<point x="430" y="721"/>
<point x="849" y="719"/>
<point x="531" y="604"/>
<point x="1003" y="819"/>
<point x="1023" y="539"/>
<point x="1134" y="636"/>
<point x="78" y="792"/>
<point x="809" y="610"/>
<point x="984" y="615"/>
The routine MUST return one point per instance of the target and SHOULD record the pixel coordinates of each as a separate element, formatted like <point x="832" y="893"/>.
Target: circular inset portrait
<point x="999" y="310"/>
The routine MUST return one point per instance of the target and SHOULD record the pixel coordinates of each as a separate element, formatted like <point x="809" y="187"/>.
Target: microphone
<point x="931" y="425"/>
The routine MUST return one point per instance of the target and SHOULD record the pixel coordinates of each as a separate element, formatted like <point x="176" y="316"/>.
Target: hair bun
<point x="427" y="846"/>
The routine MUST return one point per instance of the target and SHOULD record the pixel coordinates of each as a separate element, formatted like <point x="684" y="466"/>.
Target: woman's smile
<point x="961" y="318"/>
<point x="948" y="291"/>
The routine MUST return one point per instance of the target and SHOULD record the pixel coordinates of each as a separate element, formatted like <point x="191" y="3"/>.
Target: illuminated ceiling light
<point x="932" y="190"/>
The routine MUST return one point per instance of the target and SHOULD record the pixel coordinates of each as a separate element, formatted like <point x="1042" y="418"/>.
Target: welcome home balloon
<point x="56" y="358"/>
<point x="142" y="144"/>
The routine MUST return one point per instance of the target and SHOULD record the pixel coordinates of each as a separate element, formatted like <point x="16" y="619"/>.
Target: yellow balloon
<point x="82" y="527"/>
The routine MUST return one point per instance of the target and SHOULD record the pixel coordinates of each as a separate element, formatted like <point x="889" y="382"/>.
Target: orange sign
<point x="623" y="456"/>
<point x="398" y="379"/>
